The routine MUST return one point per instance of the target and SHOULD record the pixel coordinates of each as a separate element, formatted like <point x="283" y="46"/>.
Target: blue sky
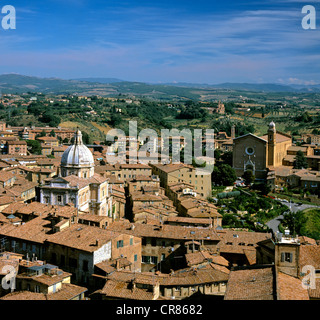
<point x="163" y="41"/>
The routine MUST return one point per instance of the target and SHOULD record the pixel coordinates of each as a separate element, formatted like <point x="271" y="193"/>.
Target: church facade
<point x="77" y="183"/>
<point x="258" y="154"/>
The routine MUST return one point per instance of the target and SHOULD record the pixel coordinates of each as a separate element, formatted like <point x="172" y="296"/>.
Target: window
<point x="249" y="151"/>
<point x="131" y="241"/>
<point x="145" y="259"/>
<point x="154" y="242"/>
<point x="85" y="265"/>
<point x="154" y="260"/>
<point x="59" y="198"/>
<point x="119" y="243"/>
<point x="286" y="257"/>
<point x="135" y="257"/>
<point x="37" y="289"/>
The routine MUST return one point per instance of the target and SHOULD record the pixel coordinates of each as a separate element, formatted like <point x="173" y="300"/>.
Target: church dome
<point x="272" y="125"/>
<point x="77" y="155"/>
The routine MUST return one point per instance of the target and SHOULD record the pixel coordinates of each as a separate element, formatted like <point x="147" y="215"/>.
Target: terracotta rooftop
<point x="309" y="255"/>
<point x="37" y="208"/>
<point x="123" y="290"/>
<point x="19" y="142"/>
<point x="171" y="167"/>
<point x="67" y="292"/>
<point x="34" y="230"/>
<point x="110" y="265"/>
<point x="199" y="257"/>
<point x="46" y="279"/>
<point x="189" y="276"/>
<point x="188" y="220"/>
<point x="5" y="175"/>
<point x="250" y="284"/>
<point x="290" y="288"/>
<point x="241" y="242"/>
<point x="83" y="237"/>
<point x="280" y="137"/>
<point x="164" y="231"/>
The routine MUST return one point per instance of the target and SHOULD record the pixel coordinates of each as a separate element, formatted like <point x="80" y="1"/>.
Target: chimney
<point x="132" y="285"/>
<point x="118" y="264"/>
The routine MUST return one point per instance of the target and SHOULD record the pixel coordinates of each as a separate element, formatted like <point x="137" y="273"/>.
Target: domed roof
<point x="77" y="155"/>
<point x="272" y="125"/>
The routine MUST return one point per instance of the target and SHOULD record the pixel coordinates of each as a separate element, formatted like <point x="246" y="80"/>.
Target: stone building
<point x="256" y="154"/>
<point x="161" y="242"/>
<point x="174" y="173"/>
<point x="80" y="247"/>
<point x="77" y="182"/>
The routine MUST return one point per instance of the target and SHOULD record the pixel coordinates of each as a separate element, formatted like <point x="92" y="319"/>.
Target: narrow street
<point x="294" y="207"/>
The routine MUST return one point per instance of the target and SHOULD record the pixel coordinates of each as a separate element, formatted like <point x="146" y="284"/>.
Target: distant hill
<point x="99" y="80"/>
<point x="15" y="83"/>
<point x="264" y="87"/>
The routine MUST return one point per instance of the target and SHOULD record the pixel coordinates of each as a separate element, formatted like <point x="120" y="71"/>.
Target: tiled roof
<point x="123" y="290"/>
<point x="164" y="231"/>
<point x="250" y="284"/>
<point x="189" y="220"/>
<point x="38" y="209"/>
<point x="34" y="230"/>
<point x="24" y="295"/>
<point x="195" y="258"/>
<point x="315" y="293"/>
<point x="68" y="291"/>
<point x="6" y="175"/>
<point x="235" y="241"/>
<point x="110" y="265"/>
<point x="280" y="137"/>
<point x="309" y="255"/>
<point x="290" y="288"/>
<point x="171" y="167"/>
<point x="189" y="276"/>
<point x="82" y="237"/>
<point x="46" y="279"/>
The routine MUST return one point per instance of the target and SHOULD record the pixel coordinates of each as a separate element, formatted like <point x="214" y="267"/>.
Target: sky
<point x="165" y="41"/>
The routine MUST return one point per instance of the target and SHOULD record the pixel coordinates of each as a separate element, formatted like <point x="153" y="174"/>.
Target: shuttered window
<point x="286" y="257"/>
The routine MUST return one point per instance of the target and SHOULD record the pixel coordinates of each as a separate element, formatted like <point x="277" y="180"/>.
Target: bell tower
<point x="271" y="144"/>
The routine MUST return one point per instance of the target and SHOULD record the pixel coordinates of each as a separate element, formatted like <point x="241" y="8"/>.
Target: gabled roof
<point x="252" y="135"/>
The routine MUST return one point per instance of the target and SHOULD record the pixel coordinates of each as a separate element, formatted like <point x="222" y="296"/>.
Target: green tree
<point x="300" y="161"/>
<point x="223" y="175"/>
<point x="295" y="222"/>
<point x="248" y="177"/>
<point x="115" y="120"/>
<point x="227" y="157"/>
<point x="34" y="146"/>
